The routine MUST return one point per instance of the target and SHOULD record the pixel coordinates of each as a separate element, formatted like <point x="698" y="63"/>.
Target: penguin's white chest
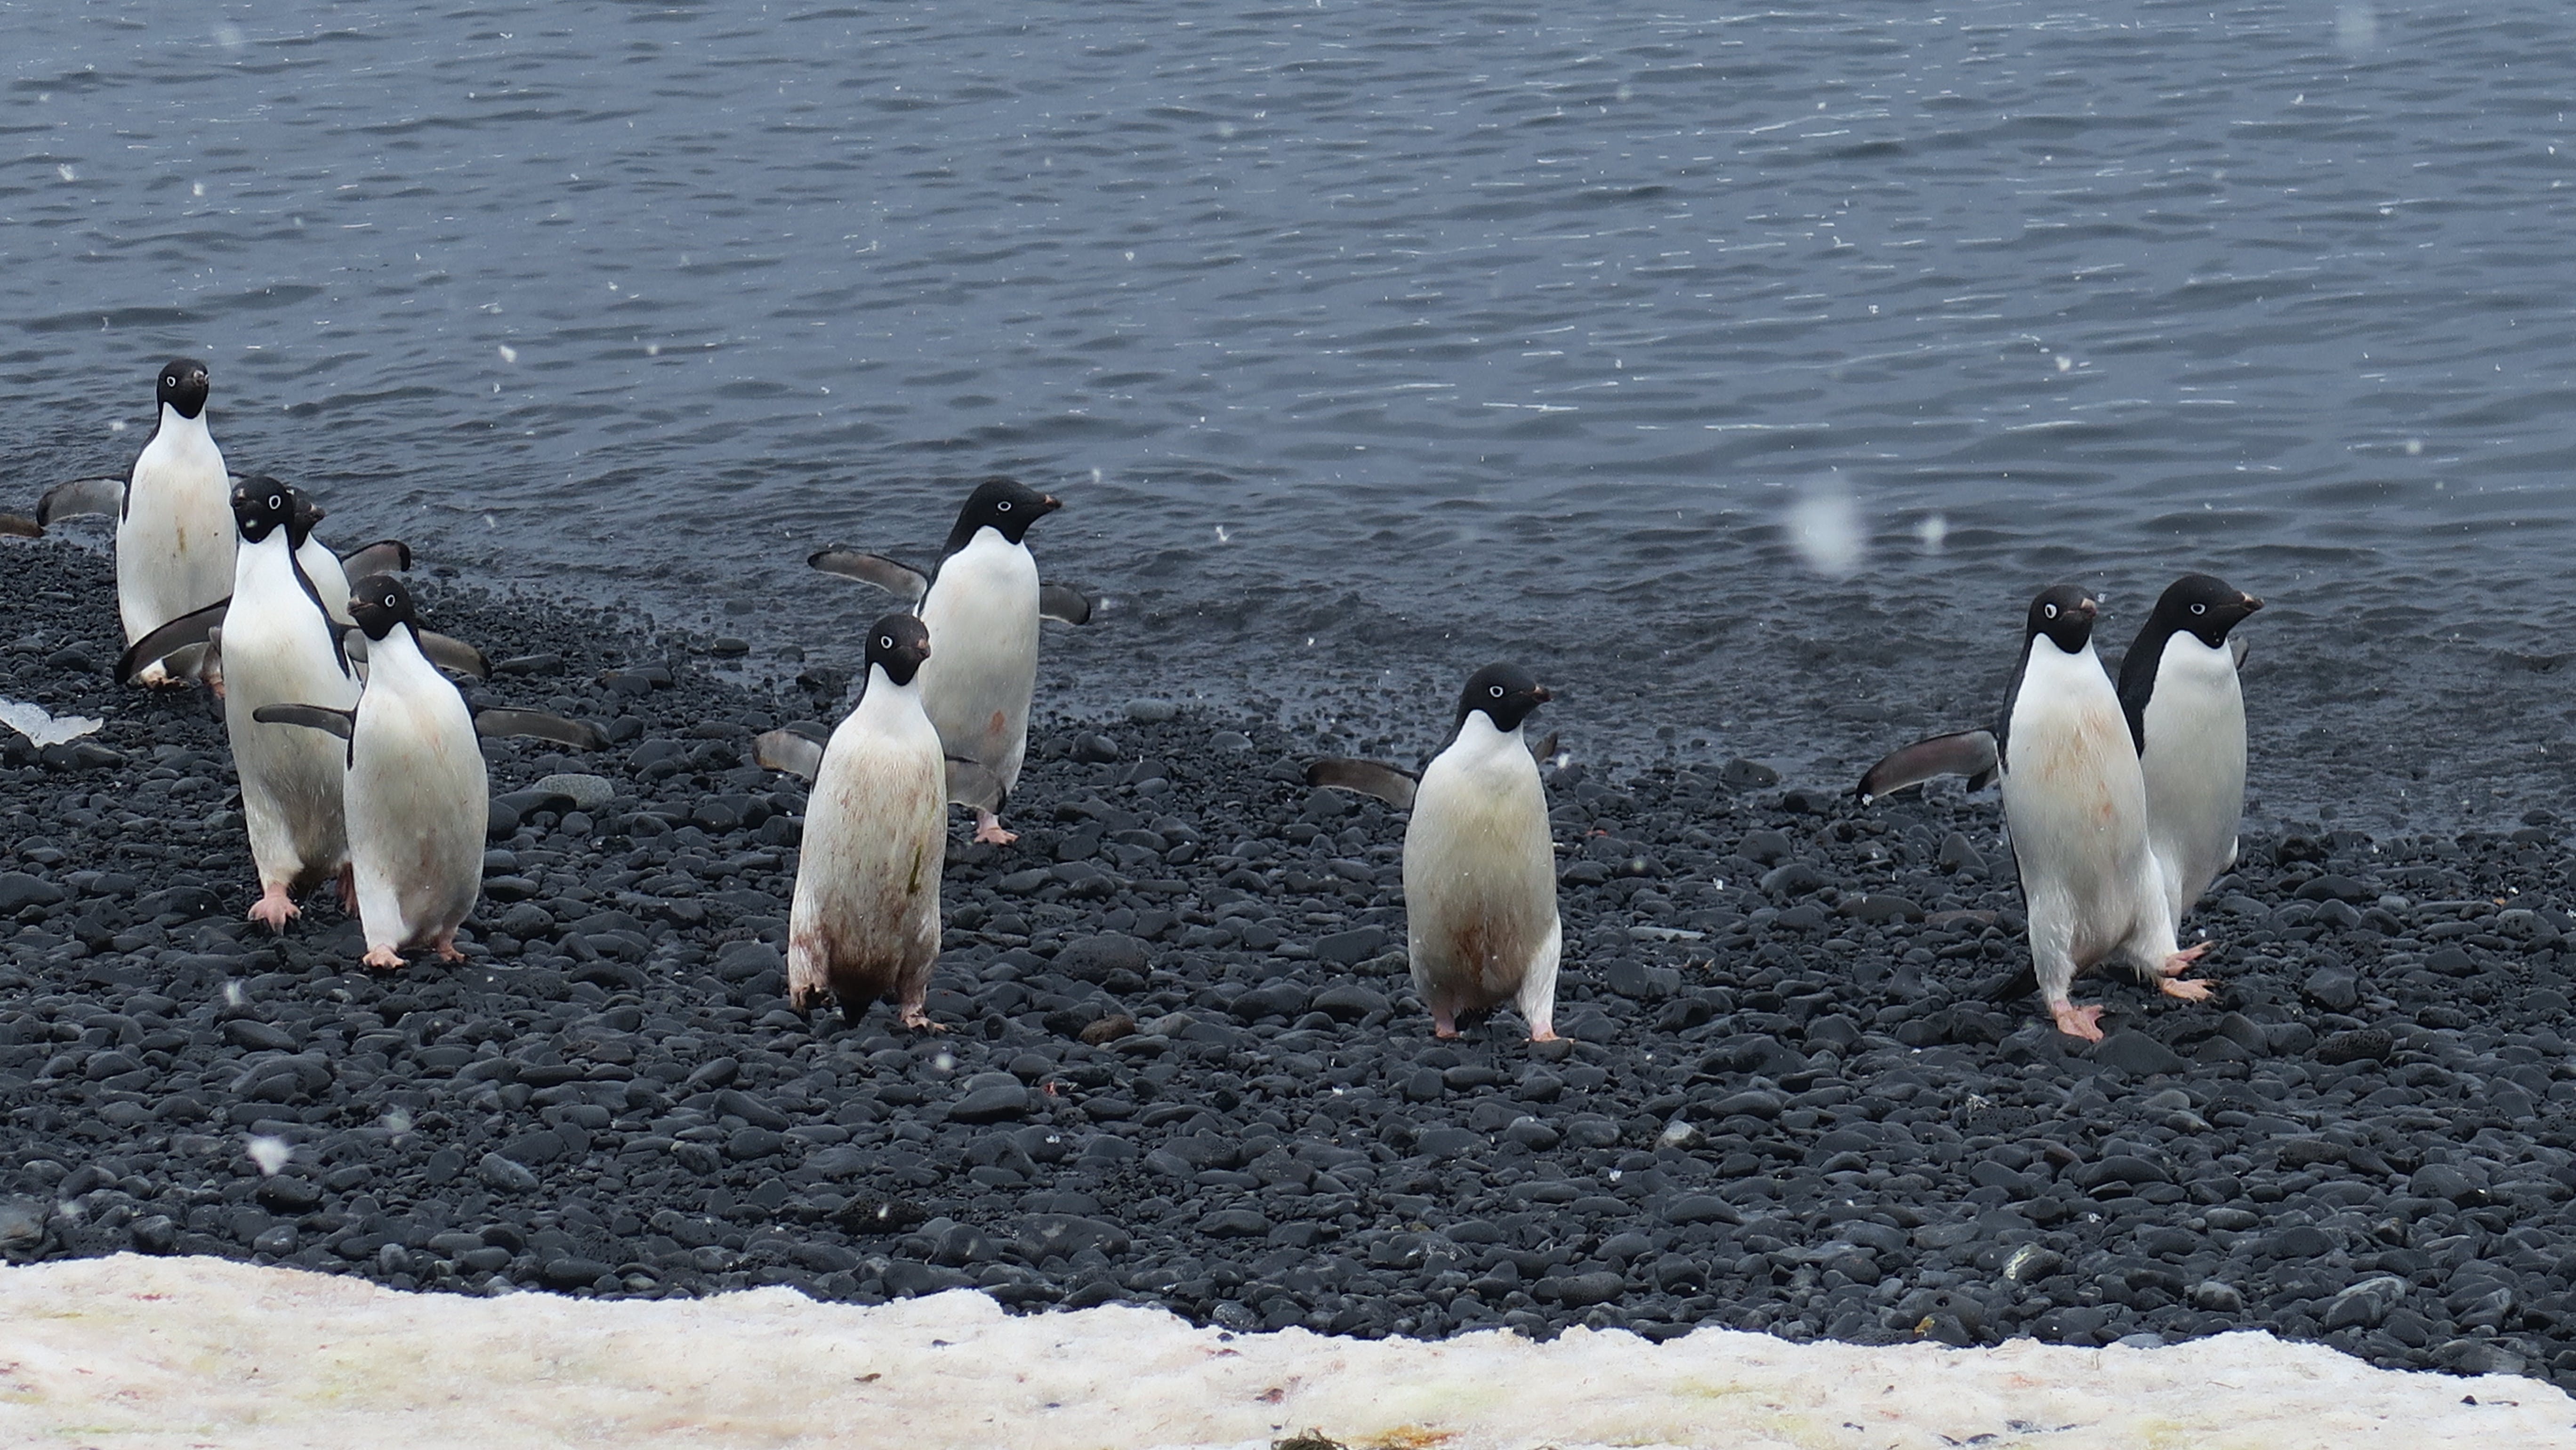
<point x="279" y="650"/>
<point x="2076" y="803"/>
<point x="982" y="615"/>
<point x="417" y="794"/>
<point x="2194" y="766"/>
<point x="1479" y="873"/>
<point x="174" y="541"/>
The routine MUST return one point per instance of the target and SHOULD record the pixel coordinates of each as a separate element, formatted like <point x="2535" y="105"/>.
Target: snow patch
<point x="43" y="729"/>
<point x="165" y="1353"/>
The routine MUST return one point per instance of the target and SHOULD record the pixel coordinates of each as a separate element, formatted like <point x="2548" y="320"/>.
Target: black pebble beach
<point x="1184" y="1065"/>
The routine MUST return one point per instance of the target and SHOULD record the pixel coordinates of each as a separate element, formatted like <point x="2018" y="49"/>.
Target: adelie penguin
<point x="281" y="647"/>
<point x="416" y="793"/>
<point x="1481" y="923"/>
<point x="2075" y="802"/>
<point x="174" y="524"/>
<point x="2186" y="715"/>
<point x="864" y="923"/>
<point x="982" y="608"/>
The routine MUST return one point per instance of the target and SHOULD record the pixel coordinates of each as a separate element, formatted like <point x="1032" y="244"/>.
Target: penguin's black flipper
<point x="973" y="783"/>
<point x="1366" y="777"/>
<point x="536" y="724"/>
<point x="901" y="580"/>
<point x="21" y="528"/>
<point x="2237" y="647"/>
<point x="315" y="717"/>
<point x="384" y="556"/>
<point x="454" y="655"/>
<point x="1063" y="601"/>
<point x="790" y="751"/>
<point x="1970" y="753"/>
<point x="1543" y="749"/>
<point x="195" y="627"/>
<point x="81" y="496"/>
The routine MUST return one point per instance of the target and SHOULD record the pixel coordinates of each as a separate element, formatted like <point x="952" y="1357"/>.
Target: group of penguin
<point x="359" y="760"/>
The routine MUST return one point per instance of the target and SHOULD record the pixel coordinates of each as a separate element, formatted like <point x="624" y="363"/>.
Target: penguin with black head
<point x="864" y="922"/>
<point x="2075" y="802"/>
<point x="982" y="608"/>
<point x="417" y="793"/>
<point x="1481" y="923"/>
<point x="2186" y="712"/>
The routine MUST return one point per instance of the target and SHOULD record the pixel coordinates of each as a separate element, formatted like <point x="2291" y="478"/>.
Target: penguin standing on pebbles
<point x="865" y="920"/>
<point x="174" y="525"/>
<point x="982" y="608"/>
<point x="2186" y="712"/>
<point x="417" y="792"/>
<point x="2075" y="801"/>
<point x="1481" y="923"/>
<point x="281" y="647"/>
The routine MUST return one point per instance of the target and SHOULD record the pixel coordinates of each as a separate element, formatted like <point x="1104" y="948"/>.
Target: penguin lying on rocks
<point x="982" y="607"/>
<point x="1481" y="923"/>
<point x="864" y="923"/>
<point x="416" y="791"/>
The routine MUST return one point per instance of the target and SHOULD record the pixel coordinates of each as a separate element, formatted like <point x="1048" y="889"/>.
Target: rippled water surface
<point x="1368" y="342"/>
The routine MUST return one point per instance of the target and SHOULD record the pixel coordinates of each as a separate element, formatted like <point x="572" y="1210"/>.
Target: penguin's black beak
<point x="2087" y="608"/>
<point x="2251" y="603"/>
<point x="1049" y="502"/>
<point x="1540" y="693"/>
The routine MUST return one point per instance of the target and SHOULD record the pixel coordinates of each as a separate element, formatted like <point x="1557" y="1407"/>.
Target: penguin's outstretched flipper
<point x="789" y="750"/>
<point x="102" y="495"/>
<point x="901" y="580"/>
<point x="2237" y="646"/>
<point x="17" y="527"/>
<point x="1064" y="602"/>
<point x="312" y="717"/>
<point x="1970" y="753"/>
<point x="454" y="655"/>
<point x="384" y="556"/>
<point x="1365" y="777"/>
<point x="195" y="627"/>
<point x="496" y="721"/>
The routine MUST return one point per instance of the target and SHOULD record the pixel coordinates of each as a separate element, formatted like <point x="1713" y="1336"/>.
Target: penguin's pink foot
<point x="448" y="951"/>
<point x="2175" y="965"/>
<point x="917" y="1020"/>
<point x="274" y="908"/>
<point x="2074" y="1021"/>
<point x="1443" y="1025"/>
<point x="349" y="889"/>
<point x="383" y="959"/>
<point x="988" y="829"/>
<point x="1542" y="1034"/>
<point x="2191" y="991"/>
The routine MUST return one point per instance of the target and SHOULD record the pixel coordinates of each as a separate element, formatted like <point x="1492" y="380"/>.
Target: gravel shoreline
<point x="1185" y="1067"/>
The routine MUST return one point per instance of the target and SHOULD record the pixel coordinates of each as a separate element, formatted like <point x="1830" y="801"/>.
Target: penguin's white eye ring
<point x="275" y="502"/>
<point x="1002" y="507"/>
<point x="1495" y="690"/>
<point x="2200" y="609"/>
<point x="2048" y="611"/>
<point x="885" y="641"/>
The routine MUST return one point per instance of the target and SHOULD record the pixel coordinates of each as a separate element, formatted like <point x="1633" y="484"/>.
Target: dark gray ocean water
<point x="1367" y="343"/>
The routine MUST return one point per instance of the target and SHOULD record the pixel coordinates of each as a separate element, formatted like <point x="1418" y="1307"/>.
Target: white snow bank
<point x="42" y="728"/>
<point x="143" y="1352"/>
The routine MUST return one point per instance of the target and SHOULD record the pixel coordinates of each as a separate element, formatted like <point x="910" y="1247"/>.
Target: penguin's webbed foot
<point x="1543" y="1034"/>
<point x="1443" y="1025"/>
<point x="448" y="950"/>
<point x="2074" y="1021"/>
<point x="918" y="1020"/>
<point x="988" y="829"/>
<point x="2191" y="991"/>
<point x="383" y="959"/>
<point x="2179" y="962"/>
<point x="274" y="908"/>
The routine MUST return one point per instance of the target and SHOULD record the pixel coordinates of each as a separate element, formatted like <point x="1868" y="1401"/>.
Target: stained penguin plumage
<point x="2075" y="802"/>
<point x="864" y="922"/>
<point x="2186" y="714"/>
<point x="982" y="607"/>
<point x="281" y="647"/>
<point x="416" y="793"/>
<point x="174" y="523"/>
<point x="1481" y="924"/>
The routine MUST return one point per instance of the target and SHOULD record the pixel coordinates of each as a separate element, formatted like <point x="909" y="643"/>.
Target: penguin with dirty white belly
<point x="174" y="522"/>
<point x="281" y="647"/>
<point x="2075" y="802"/>
<point x="416" y="793"/>
<point x="2186" y="713"/>
<point x="982" y="609"/>
<point x="864" y="923"/>
<point x="1481" y="924"/>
